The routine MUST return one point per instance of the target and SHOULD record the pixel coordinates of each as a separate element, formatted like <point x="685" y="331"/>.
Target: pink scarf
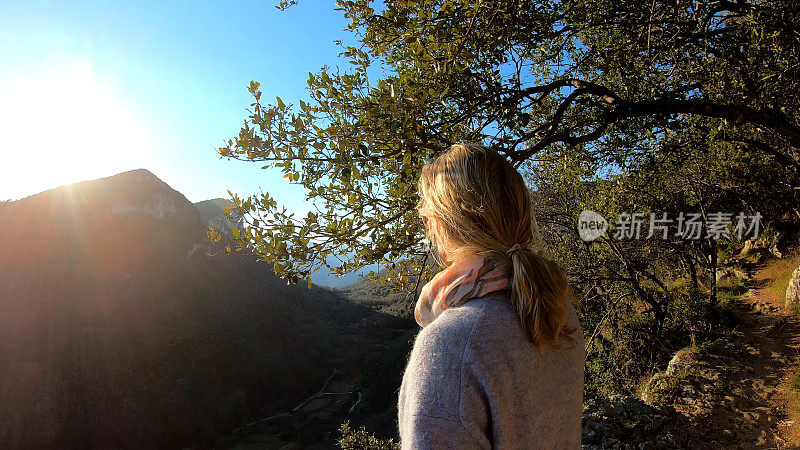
<point x="471" y="277"/>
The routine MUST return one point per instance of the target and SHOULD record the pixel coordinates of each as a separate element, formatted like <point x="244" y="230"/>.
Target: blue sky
<point x="89" y="89"/>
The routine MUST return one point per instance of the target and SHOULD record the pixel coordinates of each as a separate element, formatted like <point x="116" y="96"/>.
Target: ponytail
<point x="539" y="292"/>
<point x="480" y="203"/>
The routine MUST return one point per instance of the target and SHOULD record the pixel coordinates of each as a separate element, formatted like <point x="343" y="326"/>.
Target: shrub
<point x="361" y="440"/>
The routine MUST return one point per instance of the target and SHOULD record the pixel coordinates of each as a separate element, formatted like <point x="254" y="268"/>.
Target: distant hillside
<point x="212" y="213"/>
<point x="117" y="329"/>
<point x="324" y="277"/>
<point x="373" y="294"/>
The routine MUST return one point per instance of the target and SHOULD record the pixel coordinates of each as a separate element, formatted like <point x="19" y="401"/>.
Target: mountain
<point x="376" y="296"/>
<point x="324" y="277"/>
<point x="212" y="213"/>
<point x="118" y="328"/>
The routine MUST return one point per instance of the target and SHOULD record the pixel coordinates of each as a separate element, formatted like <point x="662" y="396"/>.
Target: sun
<point x="64" y="126"/>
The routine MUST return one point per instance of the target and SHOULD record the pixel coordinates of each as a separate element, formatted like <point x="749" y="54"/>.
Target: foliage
<point x="796" y="381"/>
<point x="613" y="82"/>
<point x="665" y="387"/>
<point x="361" y="440"/>
<point x="662" y="107"/>
<point x="114" y="323"/>
<point x="780" y="274"/>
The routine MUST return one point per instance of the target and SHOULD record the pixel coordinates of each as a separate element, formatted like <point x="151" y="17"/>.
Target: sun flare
<point x="61" y="127"/>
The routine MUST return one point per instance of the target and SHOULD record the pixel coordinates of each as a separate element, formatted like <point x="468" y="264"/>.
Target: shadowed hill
<point x="212" y="213"/>
<point x="117" y="329"/>
<point x="373" y="294"/>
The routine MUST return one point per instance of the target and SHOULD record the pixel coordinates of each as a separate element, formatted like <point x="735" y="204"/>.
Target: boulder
<point x="793" y="292"/>
<point x="680" y="363"/>
<point x="749" y="246"/>
<point x="727" y="273"/>
<point x="627" y="422"/>
<point x="770" y="242"/>
<point x="774" y="243"/>
<point x="723" y="274"/>
<point x="660" y="388"/>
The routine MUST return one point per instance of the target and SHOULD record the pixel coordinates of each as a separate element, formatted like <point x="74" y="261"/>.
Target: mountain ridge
<point x="111" y="322"/>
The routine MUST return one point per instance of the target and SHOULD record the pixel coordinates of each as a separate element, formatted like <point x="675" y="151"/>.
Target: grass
<point x="796" y="381"/>
<point x="780" y="271"/>
<point x="793" y="406"/>
<point x="729" y="291"/>
<point x="642" y="384"/>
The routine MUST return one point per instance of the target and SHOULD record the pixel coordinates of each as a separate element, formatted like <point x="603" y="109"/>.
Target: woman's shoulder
<point x="449" y="339"/>
<point x="440" y="345"/>
<point x="470" y="348"/>
<point x="488" y="327"/>
<point x="483" y="328"/>
<point x="455" y="321"/>
<point x="455" y="327"/>
<point x="479" y="316"/>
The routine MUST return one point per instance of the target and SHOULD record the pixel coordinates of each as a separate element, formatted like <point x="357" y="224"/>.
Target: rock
<point x="769" y="242"/>
<point x="793" y="292"/>
<point x="667" y="386"/>
<point x="680" y="363"/>
<point x="773" y="245"/>
<point x="627" y="422"/>
<point x="725" y="273"/>
<point x="659" y="389"/>
<point x="722" y="274"/>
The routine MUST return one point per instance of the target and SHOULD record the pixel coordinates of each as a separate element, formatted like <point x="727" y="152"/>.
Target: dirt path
<point x="738" y="391"/>
<point x="775" y="335"/>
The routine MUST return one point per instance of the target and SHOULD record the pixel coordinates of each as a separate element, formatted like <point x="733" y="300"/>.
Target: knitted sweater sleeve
<point x="440" y="407"/>
<point x="424" y="432"/>
<point x="474" y="381"/>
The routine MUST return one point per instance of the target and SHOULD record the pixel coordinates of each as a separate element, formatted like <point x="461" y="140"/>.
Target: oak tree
<point x="601" y="85"/>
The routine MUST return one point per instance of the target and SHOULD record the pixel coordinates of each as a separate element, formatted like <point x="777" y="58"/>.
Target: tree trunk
<point x="713" y="270"/>
<point x="690" y="267"/>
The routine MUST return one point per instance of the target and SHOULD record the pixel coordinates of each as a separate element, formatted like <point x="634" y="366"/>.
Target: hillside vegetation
<point x="675" y="122"/>
<point x="119" y="330"/>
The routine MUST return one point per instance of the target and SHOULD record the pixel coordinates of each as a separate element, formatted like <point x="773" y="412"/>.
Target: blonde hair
<point x="475" y="201"/>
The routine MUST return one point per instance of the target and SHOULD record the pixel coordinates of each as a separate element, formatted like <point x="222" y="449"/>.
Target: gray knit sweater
<point x="474" y="381"/>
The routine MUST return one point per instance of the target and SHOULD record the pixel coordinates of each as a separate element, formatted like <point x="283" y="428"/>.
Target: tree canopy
<point x="590" y="89"/>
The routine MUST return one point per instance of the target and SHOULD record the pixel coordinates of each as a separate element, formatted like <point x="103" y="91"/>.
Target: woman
<point x="499" y="361"/>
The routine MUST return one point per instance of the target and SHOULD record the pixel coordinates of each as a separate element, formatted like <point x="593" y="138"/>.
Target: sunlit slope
<point x="118" y="329"/>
